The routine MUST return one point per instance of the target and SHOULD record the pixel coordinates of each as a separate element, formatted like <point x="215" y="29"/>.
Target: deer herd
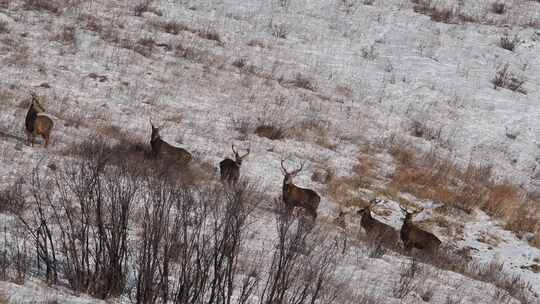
<point x="293" y="197"/>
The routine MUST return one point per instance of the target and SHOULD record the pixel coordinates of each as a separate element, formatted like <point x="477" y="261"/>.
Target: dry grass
<point x="51" y="6"/>
<point x="504" y="78"/>
<point x="429" y="177"/>
<point x="172" y="27"/>
<point x="4" y="27"/>
<point x="272" y="132"/>
<point x="342" y="189"/>
<point x="66" y="35"/>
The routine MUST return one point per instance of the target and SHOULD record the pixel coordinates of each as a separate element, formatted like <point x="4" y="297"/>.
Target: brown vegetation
<point x="429" y="177"/>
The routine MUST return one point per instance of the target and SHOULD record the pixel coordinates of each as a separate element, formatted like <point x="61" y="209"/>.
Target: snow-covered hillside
<point x="336" y="76"/>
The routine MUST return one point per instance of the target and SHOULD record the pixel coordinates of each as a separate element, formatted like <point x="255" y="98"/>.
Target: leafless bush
<point x="504" y="78"/>
<point x="508" y="43"/>
<point x="12" y="199"/>
<point x="66" y="36"/>
<point x="201" y="230"/>
<point x="421" y="130"/>
<point x="299" y="273"/>
<point x="210" y="34"/>
<point x="274" y="124"/>
<point x="172" y="27"/>
<point x="145" y="46"/>
<point x="284" y="3"/>
<point x="143" y="7"/>
<point x="369" y="53"/>
<point x="304" y="82"/>
<point x="407" y="276"/>
<point x="89" y="207"/>
<point x="15" y="258"/>
<point x="498" y="8"/>
<point x="240" y="62"/>
<point x="51" y="6"/>
<point x="271" y="131"/>
<point x="4" y="27"/>
<point x="279" y="30"/>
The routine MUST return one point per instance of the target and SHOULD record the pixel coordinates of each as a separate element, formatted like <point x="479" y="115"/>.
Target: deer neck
<point x="31" y="116"/>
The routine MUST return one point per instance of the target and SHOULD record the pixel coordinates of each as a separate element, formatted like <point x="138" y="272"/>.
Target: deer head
<point x="288" y="176"/>
<point x="409" y="215"/>
<point x="37" y="102"/>
<point x="238" y="158"/>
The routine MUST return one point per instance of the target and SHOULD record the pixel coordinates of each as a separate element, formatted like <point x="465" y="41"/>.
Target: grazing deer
<point x="37" y="122"/>
<point x="162" y="149"/>
<point x="230" y="169"/>
<point x="414" y="237"/>
<point x="375" y="228"/>
<point x="294" y="196"/>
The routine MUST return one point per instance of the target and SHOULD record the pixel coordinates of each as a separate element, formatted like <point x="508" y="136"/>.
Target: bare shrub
<point x="15" y="257"/>
<point x="419" y="129"/>
<point x="504" y="78"/>
<point x="240" y="62"/>
<point x="172" y="27"/>
<point x="407" y="279"/>
<point x="508" y="43"/>
<point x="304" y="82"/>
<point x="274" y="124"/>
<point x="4" y="27"/>
<point x="437" y="14"/>
<point x="498" y="8"/>
<point x="51" y="6"/>
<point x="143" y="7"/>
<point x="279" y="30"/>
<point x="271" y="132"/>
<point x="145" y="46"/>
<point x="11" y="199"/>
<point x="66" y="36"/>
<point x="210" y="34"/>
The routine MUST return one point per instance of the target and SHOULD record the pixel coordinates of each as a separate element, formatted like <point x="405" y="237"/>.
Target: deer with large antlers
<point x="294" y="196"/>
<point x="164" y="150"/>
<point x="414" y="237"/>
<point x="230" y="169"/>
<point x="37" y="122"/>
<point x="375" y="228"/>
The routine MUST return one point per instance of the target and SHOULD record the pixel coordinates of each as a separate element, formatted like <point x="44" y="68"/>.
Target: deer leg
<point x="46" y="139"/>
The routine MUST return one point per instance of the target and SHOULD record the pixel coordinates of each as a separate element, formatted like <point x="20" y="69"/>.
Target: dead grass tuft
<point x="504" y="78"/>
<point x="51" y="6"/>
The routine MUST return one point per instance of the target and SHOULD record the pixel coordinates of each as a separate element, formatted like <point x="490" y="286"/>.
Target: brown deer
<point x="164" y="150"/>
<point x="414" y="237"/>
<point x="294" y="196"/>
<point x="375" y="228"/>
<point x="37" y="122"/>
<point x="230" y="169"/>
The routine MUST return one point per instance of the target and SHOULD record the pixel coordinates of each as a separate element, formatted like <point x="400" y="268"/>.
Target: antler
<point x="298" y="170"/>
<point x="248" y="150"/>
<point x="234" y="151"/>
<point x="283" y="167"/>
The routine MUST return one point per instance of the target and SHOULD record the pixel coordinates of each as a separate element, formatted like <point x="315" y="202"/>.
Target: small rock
<point x="18" y="146"/>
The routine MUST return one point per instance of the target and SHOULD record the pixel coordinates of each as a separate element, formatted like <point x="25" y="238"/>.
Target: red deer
<point x="376" y="229"/>
<point x="37" y="122"/>
<point x="230" y="169"/>
<point x="414" y="237"/>
<point x="164" y="150"/>
<point x="294" y="196"/>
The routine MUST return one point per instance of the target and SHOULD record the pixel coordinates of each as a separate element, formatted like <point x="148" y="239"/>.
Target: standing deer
<point x="414" y="237"/>
<point x="164" y="150"/>
<point x="230" y="169"/>
<point x="37" y="122"/>
<point x="375" y="228"/>
<point x="294" y="196"/>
